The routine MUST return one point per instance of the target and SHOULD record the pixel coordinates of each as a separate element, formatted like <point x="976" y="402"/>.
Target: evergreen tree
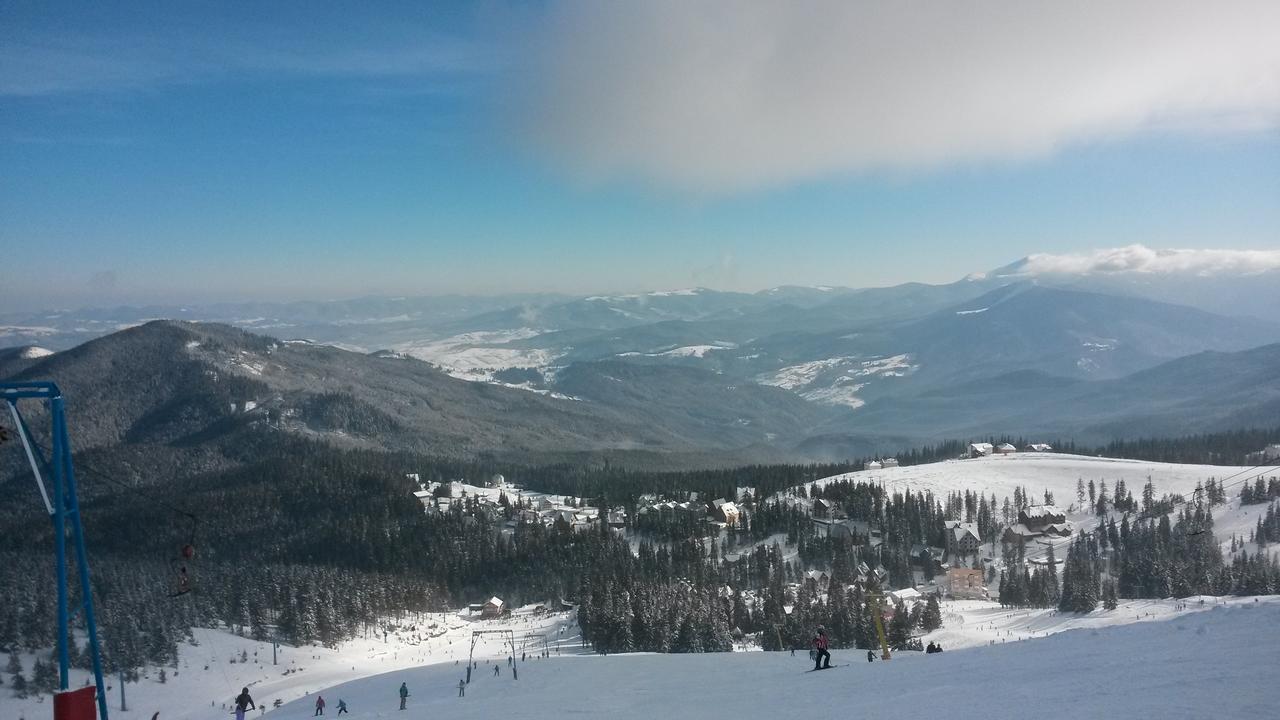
<point x="932" y="618"/>
<point x="16" y="679"/>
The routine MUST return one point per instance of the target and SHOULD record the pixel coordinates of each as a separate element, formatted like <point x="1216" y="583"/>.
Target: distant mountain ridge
<point x="694" y="374"/>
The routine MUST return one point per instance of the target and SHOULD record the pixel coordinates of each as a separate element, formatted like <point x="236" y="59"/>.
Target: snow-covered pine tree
<point x="932" y="618"/>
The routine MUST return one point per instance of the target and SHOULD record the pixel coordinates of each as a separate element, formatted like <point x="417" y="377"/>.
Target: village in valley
<point x="977" y="544"/>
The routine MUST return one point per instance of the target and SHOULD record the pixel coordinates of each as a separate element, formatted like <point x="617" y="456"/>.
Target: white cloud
<point x="719" y="97"/>
<point x="1142" y="259"/>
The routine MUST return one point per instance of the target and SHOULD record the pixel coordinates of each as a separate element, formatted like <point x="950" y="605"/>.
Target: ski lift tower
<point x="532" y="639"/>
<point x="508" y="635"/>
<point x="64" y="509"/>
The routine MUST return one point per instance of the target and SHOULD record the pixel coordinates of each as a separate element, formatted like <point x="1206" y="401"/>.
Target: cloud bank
<point x="719" y="97"/>
<point x="1142" y="259"/>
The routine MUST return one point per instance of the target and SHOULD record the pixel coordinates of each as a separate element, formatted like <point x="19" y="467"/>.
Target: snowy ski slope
<point x="1168" y="669"/>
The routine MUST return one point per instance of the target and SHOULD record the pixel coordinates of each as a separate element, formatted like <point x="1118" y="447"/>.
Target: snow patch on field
<point x="797" y="376"/>
<point x="972" y="312"/>
<point x="1056" y="472"/>
<point x="695" y="351"/>
<point x="812" y="380"/>
<point x="477" y="356"/>
<point x="843" y="392"/>
<point x="34" y="353"/>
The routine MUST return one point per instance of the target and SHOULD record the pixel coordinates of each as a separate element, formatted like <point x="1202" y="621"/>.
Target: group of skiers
<point x="822" y="656"/>
<point x="342" y="706"/>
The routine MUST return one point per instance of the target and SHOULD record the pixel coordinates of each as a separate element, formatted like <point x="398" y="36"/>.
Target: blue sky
<point x="183" y="153"/>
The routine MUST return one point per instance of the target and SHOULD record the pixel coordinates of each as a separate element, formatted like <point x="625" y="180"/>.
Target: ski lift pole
<point x="879" y="620"/>
<point x="82" y="558"/>
<point x="60" y="541"/>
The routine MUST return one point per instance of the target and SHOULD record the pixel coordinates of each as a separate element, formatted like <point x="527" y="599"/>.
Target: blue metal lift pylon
<point x="64" y="508"/>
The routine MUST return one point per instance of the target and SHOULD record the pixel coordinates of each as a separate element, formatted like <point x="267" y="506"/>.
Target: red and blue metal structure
<point x="64" y="510"/>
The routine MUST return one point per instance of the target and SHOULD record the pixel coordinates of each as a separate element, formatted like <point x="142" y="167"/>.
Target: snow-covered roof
<point x="495" y="601"/>
<point x="1042" y="511"/>
<point x="1023" y="530"/>
<point x="905" y="594"/>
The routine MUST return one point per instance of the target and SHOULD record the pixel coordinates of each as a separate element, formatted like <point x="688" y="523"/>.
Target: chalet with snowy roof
<point x="966" y="584"/>
<point x="819" y="578"/>
<point x="425" y="497"/>
<point x="724" y="511"/>
<point x="1040" y="517"/>
<point x="906" y="596"/>
<point x="874" y="465"/>
<point x="828" y="509"/>
<point x="889" y="462"/>
<point x="925" y="556"/>
<point x="1039" y="447"/>
<point x="492" y="608"/>
<point x="980" y="449"/>
<point x="1005" y="449"/>
<point x="617" y="518"/>
<point x="962" y="538"/>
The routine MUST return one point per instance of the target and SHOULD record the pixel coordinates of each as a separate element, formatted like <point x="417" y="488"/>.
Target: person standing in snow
<point x="243" y="701"/>
<point x="404" y="694"/>
<point x="820" y="645"/>
<point x="871" y="657"/>
<point x="462" y="688"/>
<point x="342" y="706"/>
<point x="319" y="705"/>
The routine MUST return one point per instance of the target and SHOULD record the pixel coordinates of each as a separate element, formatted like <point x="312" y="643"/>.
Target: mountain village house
<point x="1038" y="521"/>
<point x="724" y="511"/>
<point x="492" y="608"/>
<point x="819" y="579"/>
<point x="966" y="584"/>
<point x="979" y="450"/>
<point x="962" y="539"/>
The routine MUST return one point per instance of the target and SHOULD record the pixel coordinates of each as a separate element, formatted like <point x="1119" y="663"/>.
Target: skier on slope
<point x="342" y="706"/>
<point x="404" y="694"/>
<point x="319" y="705"/>
<point x="822" y="658"/>
<point x="871" y="657"/>
<point x="243" y="701"/>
